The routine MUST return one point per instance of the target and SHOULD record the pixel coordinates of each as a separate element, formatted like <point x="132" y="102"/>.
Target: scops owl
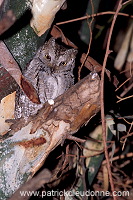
<point x="51" y="74"/>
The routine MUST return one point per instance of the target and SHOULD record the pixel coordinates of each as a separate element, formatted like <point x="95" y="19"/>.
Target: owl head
<point x="56" y="57"/>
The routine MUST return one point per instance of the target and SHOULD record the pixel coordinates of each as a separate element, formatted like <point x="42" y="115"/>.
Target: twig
<point x="102" y="96"/>
<point x="127" y="134"/>
<point x="122" y="84"/>
<point x="126" y="121"/>
<point x="70" y="137"/>
<point x="122" y="184"/>
<point x="89" y="25"/>
<point x="124" y="164"/>
<point x="126" y="70"/>
<point x="118" y="157"/>
<point x="94" y="15"/>
<point x="126" y="2"/>
<point x="90" y="63"/>
<point x="126" y="90"/>
<point x="121" y="99"/>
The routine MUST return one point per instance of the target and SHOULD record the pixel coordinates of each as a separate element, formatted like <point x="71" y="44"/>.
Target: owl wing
<point x="48" y="87"/>
<point x="23" y="106"/>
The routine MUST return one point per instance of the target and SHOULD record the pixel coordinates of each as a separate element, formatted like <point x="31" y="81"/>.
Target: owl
<point x="51" y="74"/>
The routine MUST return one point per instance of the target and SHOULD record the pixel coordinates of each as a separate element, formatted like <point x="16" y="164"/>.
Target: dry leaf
<point x="105" y="178"/>
<point x="56" y="32"/>
<point x="8" y="62"/>
<point x="91" y="147"/>
<point x="7" y="107"/>
<point x="121" y="56"/>
<point x="7" y="83"/>
<point x="90" y="63"/>
<point x="12" y="67"/>
<point x="7" y="21"/>
<point x="44" y="13"/>
<point x="130" y="55"/>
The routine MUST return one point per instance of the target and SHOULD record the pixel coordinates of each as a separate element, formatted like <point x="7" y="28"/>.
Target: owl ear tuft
<point x="73" y="51"/>
<point x="51" y="41"/>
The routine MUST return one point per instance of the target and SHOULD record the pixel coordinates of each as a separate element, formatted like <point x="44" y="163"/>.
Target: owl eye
<point x="47" y="57"/>
<point x="63" y="63"/>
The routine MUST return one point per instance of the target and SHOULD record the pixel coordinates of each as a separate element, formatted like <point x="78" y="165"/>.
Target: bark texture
<point x="32" y="140"/>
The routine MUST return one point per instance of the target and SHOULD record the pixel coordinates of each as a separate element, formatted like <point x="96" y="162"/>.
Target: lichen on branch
<point x="32" y="140"/>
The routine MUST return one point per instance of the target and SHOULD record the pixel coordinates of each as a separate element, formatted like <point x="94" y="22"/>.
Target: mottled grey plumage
<point x="51" y="74"/>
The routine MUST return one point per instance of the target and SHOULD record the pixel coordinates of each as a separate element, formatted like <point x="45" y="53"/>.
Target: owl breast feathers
<point x="51" y="74"/>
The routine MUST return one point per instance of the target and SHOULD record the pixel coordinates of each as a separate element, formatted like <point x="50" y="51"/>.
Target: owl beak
<point x="51" y="67"/>
<point x="54" y="68"/>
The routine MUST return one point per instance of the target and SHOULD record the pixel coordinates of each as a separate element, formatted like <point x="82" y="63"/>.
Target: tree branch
<point x="102" y="96"/>
<point x="32" y="140"/>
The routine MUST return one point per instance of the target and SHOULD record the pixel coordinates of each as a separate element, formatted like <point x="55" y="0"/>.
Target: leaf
<point x="7" y="21"/>
<point x="7" y="83"/>
<point x="90" y="63"/>
<point x="56" y="32"/>
<point x="21" y="40"/>
<point x="92" y="8"/>
<point x="94" y="162"/>
<point x="130" y="55"/>
<point x="12" y="67"/>
<point x="121" y="56"/>
<point x="6" y="112"/>
<point x="105" y="178"/>
<point x="121" y="127"/>
<point x="8" y="62"/>
<point x="43" y="14"/>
